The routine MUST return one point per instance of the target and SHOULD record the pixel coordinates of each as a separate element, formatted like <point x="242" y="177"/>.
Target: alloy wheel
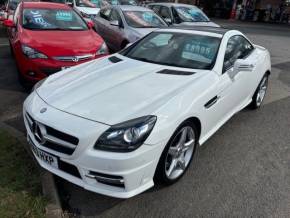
<point x="180" y="153"/>
<point x="262" y="91"/>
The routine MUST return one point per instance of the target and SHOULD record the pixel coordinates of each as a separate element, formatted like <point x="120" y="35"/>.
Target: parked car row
<point x="121" y="25"/>
<point x="48" y="37"/>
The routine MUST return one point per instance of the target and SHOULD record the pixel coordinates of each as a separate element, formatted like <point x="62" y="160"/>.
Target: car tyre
<point x="23" y="81"/>
<point x="177" y="155"/>
<point x="11" y="50"/>
<point x="260" y="93"/>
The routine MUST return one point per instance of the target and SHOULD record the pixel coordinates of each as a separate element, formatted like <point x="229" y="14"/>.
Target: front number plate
<point x="43" y="156"/>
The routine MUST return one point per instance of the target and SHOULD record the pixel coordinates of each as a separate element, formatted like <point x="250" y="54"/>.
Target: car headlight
<point x="102" y="50"/>
<point x="126" y="136"/>
<point x="38" y="84"/>
<point x="32" y="53"/>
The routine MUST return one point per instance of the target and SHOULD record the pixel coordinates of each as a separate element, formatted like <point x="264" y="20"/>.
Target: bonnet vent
<point x="115" y="59"/>
<point x="176" y="72"/>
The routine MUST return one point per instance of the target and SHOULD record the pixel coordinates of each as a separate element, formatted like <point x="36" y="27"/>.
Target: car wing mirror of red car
<point x="90" y="24"/>
<point x="8" y="23"/>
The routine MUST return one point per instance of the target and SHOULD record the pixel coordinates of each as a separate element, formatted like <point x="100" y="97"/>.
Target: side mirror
<point x="168" y="21"/>
<point x="8" y="23"/>
<point x="241" y="65"/>
<point x="90" y="24"/>
<point x="115" y="23"/>
<point x="71" y="4"/>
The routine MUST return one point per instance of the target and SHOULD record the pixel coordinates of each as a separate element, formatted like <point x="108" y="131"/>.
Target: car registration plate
<point x="43" y="156"/>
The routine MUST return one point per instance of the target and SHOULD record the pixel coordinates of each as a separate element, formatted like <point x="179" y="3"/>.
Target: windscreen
<point x="191" y="14"/>
<point x="52" y="19"/>
<point x="143" y="19"/>
<point x="176" y="49"/>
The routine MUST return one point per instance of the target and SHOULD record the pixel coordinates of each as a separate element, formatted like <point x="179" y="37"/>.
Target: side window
<point x="165" y="12"/>
<point x="11" y="5"/>
<point x="156" y="8"/>
<point x="115" y="16"/>
<point x="105" y="13"/>
<point x="246" y="47"/>
<point x="175" y="15"/>
<point x="237" y="48"/>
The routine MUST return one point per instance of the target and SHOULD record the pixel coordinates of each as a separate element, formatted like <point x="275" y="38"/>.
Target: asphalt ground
<point x="242" y="171"/>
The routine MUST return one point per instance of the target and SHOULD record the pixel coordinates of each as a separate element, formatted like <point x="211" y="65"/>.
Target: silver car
<point x="181" y="14"/>
<point x="120" y="25"/>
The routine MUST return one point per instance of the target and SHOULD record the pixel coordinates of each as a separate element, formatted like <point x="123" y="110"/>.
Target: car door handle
<point x="211" y="102"/>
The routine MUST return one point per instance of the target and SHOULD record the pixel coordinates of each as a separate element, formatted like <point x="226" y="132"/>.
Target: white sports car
<point x="117" y="125"/>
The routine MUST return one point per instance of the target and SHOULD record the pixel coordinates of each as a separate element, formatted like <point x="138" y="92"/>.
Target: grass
<point x="20" y="187"/>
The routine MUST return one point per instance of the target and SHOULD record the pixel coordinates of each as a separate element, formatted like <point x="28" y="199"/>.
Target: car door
<point x="102" y="22"/>
<point x="229" y="93"/>
<point x="239" y="47"/>
<point x="116" y="34"/>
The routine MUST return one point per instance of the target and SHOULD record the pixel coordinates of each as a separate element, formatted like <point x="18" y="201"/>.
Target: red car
<point x="48" y="37"/>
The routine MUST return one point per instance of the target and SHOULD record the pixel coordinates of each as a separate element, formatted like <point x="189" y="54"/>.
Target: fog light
<point x="31" y="73"/>
<point x="112" y="180"/>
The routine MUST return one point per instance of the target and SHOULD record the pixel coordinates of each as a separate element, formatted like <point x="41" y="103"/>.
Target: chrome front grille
<point x="51" y="138"/>
<point x="74" y="58"/>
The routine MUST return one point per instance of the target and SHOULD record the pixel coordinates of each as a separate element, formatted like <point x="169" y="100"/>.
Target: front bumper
<point x="34" y="70"/>
<point x="135" y="169"/>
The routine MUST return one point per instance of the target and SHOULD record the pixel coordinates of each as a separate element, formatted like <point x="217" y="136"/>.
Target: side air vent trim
<point x="115" y="59"/>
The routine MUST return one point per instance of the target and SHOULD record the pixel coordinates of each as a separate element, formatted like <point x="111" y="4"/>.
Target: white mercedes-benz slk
<point x="119" y="124"/>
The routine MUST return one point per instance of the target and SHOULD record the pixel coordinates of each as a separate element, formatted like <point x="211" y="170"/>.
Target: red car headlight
<point x="103" y="50"/>
<point x="32" y="53"/>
